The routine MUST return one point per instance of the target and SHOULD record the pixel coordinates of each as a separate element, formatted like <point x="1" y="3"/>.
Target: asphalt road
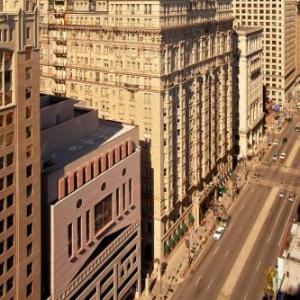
<point x="208" y="278"/>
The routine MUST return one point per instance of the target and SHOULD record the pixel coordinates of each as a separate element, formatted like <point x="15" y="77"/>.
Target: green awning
<point x="175" y="237"/>
<point x="171" y="242"/>
<point x="180" y="231"/>
<point x="184" y="227"/>
<point x="166" y="248"/>
<point x="191" y="218"/>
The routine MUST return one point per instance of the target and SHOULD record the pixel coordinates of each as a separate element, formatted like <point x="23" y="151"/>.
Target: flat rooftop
<point x="107" y="131"/>
<point x="248" y="29"/>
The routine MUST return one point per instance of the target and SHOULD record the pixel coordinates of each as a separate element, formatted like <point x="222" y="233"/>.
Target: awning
<point x="171" y="242"/>
<point x="184" y="227"/>
<point x="191" y="218"/>
<point x="166" y="247"/>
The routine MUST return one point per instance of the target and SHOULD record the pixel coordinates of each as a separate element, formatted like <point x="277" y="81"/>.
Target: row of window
<point x="103" y="215"/>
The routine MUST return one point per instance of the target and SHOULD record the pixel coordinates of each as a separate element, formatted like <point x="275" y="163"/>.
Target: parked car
<point x="275" y="156"/>
<point x="224" y="221"/>
<point x="282" y="155"/>
<point x="281" y="194"/>
<point x="275" y="142"/>
<point x="218" y="233"/>
<point x="292" y="197"/>
<point x="284" y="141"/>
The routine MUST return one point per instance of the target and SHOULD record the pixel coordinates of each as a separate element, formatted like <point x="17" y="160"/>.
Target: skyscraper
<point x="166" y="67"/>
<point x="19" y="152"/>
<point x="277" y="18"/>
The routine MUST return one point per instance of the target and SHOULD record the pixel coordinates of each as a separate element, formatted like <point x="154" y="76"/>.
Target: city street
<point x="233" y="267"/>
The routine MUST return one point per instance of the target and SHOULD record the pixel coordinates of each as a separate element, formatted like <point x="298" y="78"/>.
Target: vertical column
<point x="222" y="114"/>
<point x="116" y="280"/>
<point x="96" y="167"/>
<point x="117" y="154"/>
<point x="204" y="126"/>
<point x="103" y="163"/>
<point x="88" y="172"/>
<point x="213" y="127"/>
<point x="79" y="177"/>
<point x="61" y="188"/>
<point x="70" y="183"/>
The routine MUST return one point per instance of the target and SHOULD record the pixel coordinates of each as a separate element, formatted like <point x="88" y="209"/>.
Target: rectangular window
<point x="130" y="191"/>
<point x="79" y="233"/>
<point x="9" y="200"/>
<point x="1" y="162"/>
<point x="29" y="289"/>
<point x="9" y="284"/>
<point x="9" y="159"/>
<point x="70" y="240"/>
<point x="28" y="171"/>
<point x="9" y="263"/>
<point x="124" y="196"/>
<point x="28" y="132"/>
<point x="9" y="242"/>
<point x="103" y="213"/>
<point x="9" y="179"/>
<point x="87" y="225"/>
<point x="29" y="229"/>
<point x="28" y="92"/>
<point x="29" y="269"/>
<point x="29" y="190"/>
<point x="29" y="210"/>
<point x="9" y="221"/>
<point x="29" y="151"/>
<point x="28" y="73"/>
<point x="117" y="201"/>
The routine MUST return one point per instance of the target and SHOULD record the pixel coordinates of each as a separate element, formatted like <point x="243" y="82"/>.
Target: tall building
<point x="91" y="204"/>
<point x="249" y="89"/>
<point x="166" y="67"/>
<point x="298" y="41"/>
<point x="277" y="18"/>
<point x="19" y="152"/>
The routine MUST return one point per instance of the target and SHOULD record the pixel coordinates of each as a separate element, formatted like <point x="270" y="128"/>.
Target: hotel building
<point x="166" y="67"/>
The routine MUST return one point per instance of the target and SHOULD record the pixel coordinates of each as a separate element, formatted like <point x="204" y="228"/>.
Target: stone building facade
<point x="19" y="152"/>
<point x="249" y="86"/>
<point x="91" y="204"/>
<point x="298" y="41"/>
<point x="164" y="66"/>
<point x="277" y="18"/>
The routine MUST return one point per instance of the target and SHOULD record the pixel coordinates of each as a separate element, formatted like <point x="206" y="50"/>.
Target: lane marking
<point x="246" y="296"/>
<point x="198" y="280"/>
<point x="230" y="226"/>
<point x="216" y="250"/>
<point x="258" y="265"/>
<point x="226" y="253"/>
<point x="277" y="219"/>
<point x="209" y="285"/>
<point x="287" y="221"/>
<point x="292" y="155"/>
<point x="249" y="244"/>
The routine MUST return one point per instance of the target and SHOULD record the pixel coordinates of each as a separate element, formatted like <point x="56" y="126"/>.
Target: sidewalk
<point x="181" y="261"/>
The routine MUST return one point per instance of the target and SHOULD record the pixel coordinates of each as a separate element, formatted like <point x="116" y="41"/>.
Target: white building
<point x="277" y="18"/>
<point x="249" y="88"/>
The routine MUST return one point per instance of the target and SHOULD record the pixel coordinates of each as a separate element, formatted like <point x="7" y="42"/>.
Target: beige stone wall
<point x="298" y="40"/>
<point x="158" y="65"/>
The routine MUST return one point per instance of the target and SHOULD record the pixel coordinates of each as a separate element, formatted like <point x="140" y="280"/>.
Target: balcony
<point x="60" y="52"/>
<point x="131" y="87"/>
<point x="60" y="40"/>
<point x="59" y="13"/>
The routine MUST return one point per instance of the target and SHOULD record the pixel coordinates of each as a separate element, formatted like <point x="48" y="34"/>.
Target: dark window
<point x="29" y="289"/>
<point x="79" y="233"/>
<point x="87" y="225"/>
<point x="9" y="284"/>
<point x="29" y="190"/>
<point x="28" y="132"/>
<point x="9" y="263"/>
<point x="103" y="213"/>
<point x="29" y="210"/>
<point x="1" y="204"/>
<point x="29" y="269"/>
<point x="130" y="191"/>
<point x="9" y="159"/>
<point x="10" y="242"/>
<point x="29" y="249"/>
<point x="9" y="179"/>
<point x="117" y="201"/>
<point x="28" y="171"/>
<point x="1" y="290"/>
<point x="28" y="92"/>
<point x="124" y="196"/>
<point x="28" y="33"/>
<point x="1" y="226"/>
<point x="1" y="162"/>
<point x="28" y="73"/>
<point x="1" y="184"/>
<point x="9" y="118"/>
<point x="10" y="221"/>
<point x="9" y="200"/>
<point x="1" y="247"/>
<point x="1" y="269"/>
<point x="70" y="240"/>
<point x="28" y="112"/>
<point x="29" y="229"/>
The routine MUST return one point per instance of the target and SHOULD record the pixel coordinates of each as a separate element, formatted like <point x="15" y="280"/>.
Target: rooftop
<point x="77" y="135"/>
<point x="248" y="29"/>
